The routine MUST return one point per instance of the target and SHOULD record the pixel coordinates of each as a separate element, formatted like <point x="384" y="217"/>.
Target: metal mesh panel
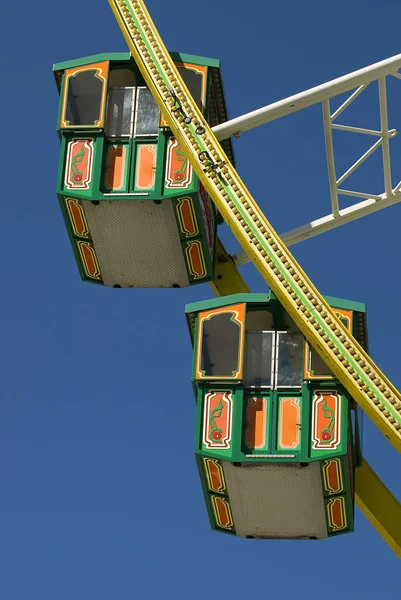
<point x="137" y="243"/>
<point x="276" y="501"/>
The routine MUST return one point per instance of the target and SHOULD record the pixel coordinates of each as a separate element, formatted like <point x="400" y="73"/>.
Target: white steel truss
<point x="355" y="83"/>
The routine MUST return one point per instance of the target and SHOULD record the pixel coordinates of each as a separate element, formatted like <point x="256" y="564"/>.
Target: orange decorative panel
<point x="215" y="476"/>
<point x="289" y="421"/>
<point x="345" y="317"/>
<point x="186" y="217"/>
<point x="100" y="72"/>
<point x="78" y="168"/>
<point x="256" y="423"/>
<point x="222" y="512"/>
<point x="336" y="514"/>
<point x="77" y="218"/>
<point x="195" y="260"/>
<point x="89" y="260"/>
<point x="145" y="167"/>
<point x="217" y="419"/>
<point x="178" y="169"/>
<point x="326" y="420"/>
<point x="116" y="165"/>
<point x="332" y="476"/>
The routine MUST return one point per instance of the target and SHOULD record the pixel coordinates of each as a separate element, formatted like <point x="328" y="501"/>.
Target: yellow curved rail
<point x="337" y="347"/>
<point x="379" y="506"/>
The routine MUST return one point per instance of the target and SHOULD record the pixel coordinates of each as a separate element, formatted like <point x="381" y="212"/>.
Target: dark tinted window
<point x="289" y="361"/>
<point x="317" y="364"/>
<point x="147" y="116"/>
<point x="84" y="99"/>
<point x="119" y="112"/>
<point x="259" y="352"/>
<point x="193" y="81"/>
<point x="220" y="346"/>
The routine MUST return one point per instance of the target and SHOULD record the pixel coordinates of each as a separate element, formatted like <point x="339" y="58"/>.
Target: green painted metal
<point x="98" y="192"/>
<point x="345" y="304"/>
<point x="266" y="298"/>
<point x="73" y="241"/>
<point x="271" y="452"/>
<point x="94" y="58"/>
<point x="126" y="57"/>
<point x="196" y="60"/>
<point x="195" y="307"/>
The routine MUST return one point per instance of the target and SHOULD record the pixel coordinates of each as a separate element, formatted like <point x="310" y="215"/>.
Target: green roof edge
<point x="196" y="60"/>
<point x="261" y="298"/>
<point x="126" y="56"/>
<point x="87" y="60"/>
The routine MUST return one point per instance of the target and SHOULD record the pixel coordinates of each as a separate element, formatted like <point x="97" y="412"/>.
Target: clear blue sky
<point x="99" y="492"/>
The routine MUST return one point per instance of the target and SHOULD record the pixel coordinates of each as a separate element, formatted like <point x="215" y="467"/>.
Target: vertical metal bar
<point x="133" y="111"/>
<point x="274" y="359"/>
<point x="385" y="136"/>
<point x="330" y="157"/>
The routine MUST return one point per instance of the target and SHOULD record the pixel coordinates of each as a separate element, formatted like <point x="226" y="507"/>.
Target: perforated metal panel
<point x="137" y="243"/>
<point x="276" y="501"/>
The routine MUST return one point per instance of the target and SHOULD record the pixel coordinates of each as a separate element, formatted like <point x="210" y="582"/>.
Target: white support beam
<point x="346" y="215"/>
<point x="358" y="163"/>
<point x="385" y="136"/>
<point x="348" y="101"/>
<point x="331" y="167"/>
<point x="307" y="98"/>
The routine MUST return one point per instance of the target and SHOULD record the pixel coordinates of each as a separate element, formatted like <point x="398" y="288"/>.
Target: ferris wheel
<point x="143" y="183"/>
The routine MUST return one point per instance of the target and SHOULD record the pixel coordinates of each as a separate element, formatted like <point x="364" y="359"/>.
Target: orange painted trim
<point x="89" y="260"/>
<point x="79" y="163"/>
<point x="308" y="373"/>
<point x="326" y="420"/>
<point x="102" y="69"/>
<point x="344" y="315"/>
<point x="186" y="217"/>
<point x="179" y="172"/>
<point x="332" y="476"/>
<point x="145" y="168"/>
<point x="238" y="316"/>
<point x="77" y="218"/>
<point x="218" y="419"/>
<point x="256" y="421"/>
<point x="222" y="512"/>
<point x="289" y="436"/>
<point x="214" y="476"/>
<point x="336" y="514"/>
<point x="114" y="177"/>
<point x="195" y="260"/>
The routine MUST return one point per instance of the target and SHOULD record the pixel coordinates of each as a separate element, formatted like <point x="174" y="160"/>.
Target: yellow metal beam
<point x="227" y="278"/>
<point x="334" y="343"/>
<point x="353" y="367"/>
<point x="379" y="506"/>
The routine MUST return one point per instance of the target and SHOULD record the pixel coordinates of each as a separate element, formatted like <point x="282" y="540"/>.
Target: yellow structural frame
<point x="379" y="506"/>
<point x="345" y="357"/>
